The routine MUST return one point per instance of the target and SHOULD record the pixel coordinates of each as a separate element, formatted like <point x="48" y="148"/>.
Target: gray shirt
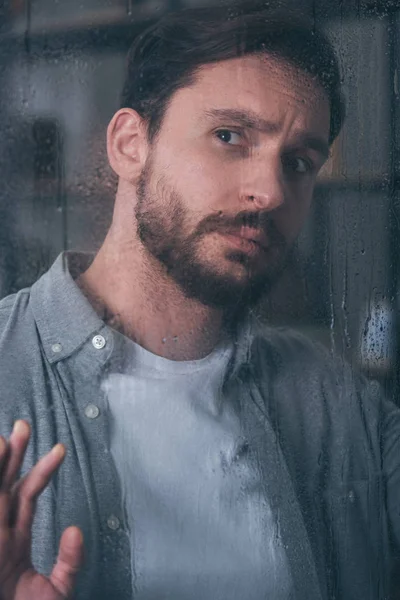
<point x="324" y="441"/>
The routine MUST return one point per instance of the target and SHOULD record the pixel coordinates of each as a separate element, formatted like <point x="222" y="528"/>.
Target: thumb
<point x="69" y="560"/>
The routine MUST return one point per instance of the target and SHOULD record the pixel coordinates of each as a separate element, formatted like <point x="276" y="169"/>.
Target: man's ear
<point x="127" y="145"/>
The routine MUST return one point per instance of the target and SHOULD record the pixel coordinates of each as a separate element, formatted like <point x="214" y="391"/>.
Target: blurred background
<point x="61" y="71"/>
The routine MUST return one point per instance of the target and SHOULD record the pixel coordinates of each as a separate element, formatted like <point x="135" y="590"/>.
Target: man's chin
<point x="225" y="292"/>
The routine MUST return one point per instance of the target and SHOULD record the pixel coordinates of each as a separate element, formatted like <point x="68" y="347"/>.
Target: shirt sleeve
<point x="390" y="440"/>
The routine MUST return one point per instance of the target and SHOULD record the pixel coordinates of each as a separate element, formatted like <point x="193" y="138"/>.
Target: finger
<point x="3" y="453"/>
<point x="15" y="453"/>
<point x="32" y="485"/>
<point x="4" y="496"/>
<point x="69" y="561"/>
<point x="10" y="463"/>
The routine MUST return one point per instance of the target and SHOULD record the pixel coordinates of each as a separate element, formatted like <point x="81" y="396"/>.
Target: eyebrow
<point x="244" y="118"/>
<point x="252" y="121"/>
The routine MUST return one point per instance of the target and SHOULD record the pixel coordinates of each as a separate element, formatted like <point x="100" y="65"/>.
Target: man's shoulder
<point x="15" y="313"/>
<point x="292" y="346"/>
<point x="6" y="305"/>
<point x="20" y="360"/>
<point x="292" y="356"/>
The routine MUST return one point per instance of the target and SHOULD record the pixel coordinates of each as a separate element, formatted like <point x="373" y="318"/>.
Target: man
<point x="206" y="456"/>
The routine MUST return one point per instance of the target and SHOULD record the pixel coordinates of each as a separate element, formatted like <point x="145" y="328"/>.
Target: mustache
<point x="226" y="224"/>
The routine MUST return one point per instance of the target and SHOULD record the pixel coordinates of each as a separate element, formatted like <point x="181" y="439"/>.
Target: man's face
<point x="229" y="180"/>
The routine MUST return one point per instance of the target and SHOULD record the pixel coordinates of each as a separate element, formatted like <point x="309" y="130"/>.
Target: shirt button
<point x="92" y="411"/>
<point x="98" y="342"/>
<point x="56" y="348"/>
<point x="351" y="496"/>
<point x="113" y="522"/>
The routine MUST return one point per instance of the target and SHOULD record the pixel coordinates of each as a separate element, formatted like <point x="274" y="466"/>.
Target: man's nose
<point x="263" y="185"/>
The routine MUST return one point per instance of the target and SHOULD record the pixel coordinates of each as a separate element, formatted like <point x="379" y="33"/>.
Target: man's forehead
<point x="262" y="74"/>
<point x="260" y="96"/>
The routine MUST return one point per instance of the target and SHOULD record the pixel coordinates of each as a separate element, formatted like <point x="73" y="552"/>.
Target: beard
<point x="162" y="221"/>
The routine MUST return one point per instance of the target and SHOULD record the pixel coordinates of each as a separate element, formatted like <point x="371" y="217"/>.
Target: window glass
<point x="199" y="273"/>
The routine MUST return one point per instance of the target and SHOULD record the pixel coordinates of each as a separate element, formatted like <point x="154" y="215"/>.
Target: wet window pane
<point x="199" y="298"/>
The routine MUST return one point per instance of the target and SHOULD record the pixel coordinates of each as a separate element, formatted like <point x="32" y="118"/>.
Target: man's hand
<point x="18" y="579"/>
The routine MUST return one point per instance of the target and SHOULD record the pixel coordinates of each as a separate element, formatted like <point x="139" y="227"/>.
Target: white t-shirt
<point x="200" y="522"/>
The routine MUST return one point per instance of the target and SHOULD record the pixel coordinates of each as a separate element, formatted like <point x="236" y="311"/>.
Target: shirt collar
<point x="66" y="320"/>
<point x="64" y="317"/>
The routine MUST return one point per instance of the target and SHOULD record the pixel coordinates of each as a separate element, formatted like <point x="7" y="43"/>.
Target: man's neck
<point x="146" y="306"/>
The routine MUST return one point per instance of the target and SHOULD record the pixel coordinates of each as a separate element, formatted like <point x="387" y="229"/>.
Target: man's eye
<point x="298" y="165"/>
<point x="231" y="138"/>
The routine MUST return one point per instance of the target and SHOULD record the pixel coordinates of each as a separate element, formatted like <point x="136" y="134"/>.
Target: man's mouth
<point x="250" y="242"/>
<point x="249" y="235"/>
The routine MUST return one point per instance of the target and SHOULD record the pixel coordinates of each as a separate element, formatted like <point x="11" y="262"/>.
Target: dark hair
<point x="167" y="56"/>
